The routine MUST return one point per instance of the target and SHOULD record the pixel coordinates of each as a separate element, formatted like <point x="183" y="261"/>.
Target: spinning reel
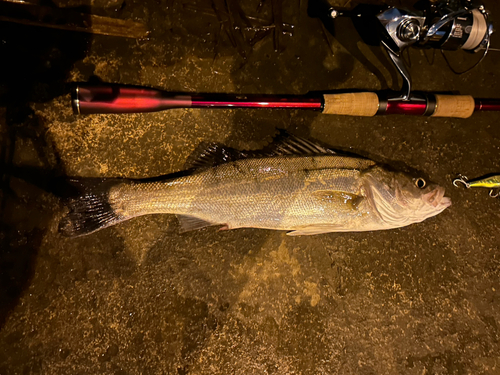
<point x="446" y="25"/>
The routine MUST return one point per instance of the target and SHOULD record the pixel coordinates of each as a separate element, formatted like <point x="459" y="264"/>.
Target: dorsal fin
<point x="288" y="144"/>
<point x="212" y="154"/>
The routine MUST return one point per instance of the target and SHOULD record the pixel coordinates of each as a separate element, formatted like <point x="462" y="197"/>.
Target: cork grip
<point x="461" y="106"/>
<point x="354" y="104"/>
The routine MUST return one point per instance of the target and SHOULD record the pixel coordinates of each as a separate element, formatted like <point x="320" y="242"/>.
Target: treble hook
<point x="494" y="195"/>
<point x="461" y="180"/>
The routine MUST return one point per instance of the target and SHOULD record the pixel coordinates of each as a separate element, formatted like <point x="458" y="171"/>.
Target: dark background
<point x="142" y="298"/>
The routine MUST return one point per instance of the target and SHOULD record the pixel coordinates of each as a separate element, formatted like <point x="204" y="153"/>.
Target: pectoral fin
<point x="340" y="199"/>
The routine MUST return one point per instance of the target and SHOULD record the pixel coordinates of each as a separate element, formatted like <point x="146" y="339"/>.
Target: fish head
<point x="402" y="199"/>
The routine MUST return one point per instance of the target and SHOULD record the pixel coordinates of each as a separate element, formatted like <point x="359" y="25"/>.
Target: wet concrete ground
<point x="142" y="298"/>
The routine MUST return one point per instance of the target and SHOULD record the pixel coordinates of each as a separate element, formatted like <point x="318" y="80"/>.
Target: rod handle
<point x="352" y="104"/>
<point x="460" y="106"/>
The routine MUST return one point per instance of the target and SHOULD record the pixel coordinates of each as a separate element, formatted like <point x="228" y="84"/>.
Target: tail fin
<point x="90" y="209"/>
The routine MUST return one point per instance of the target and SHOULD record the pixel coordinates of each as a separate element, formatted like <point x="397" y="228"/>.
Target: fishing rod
<point x="105" y="98"/>
<point x="448" y="24"/>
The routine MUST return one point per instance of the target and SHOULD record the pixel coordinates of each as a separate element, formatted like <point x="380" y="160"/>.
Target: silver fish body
<point x="304" y="194"/>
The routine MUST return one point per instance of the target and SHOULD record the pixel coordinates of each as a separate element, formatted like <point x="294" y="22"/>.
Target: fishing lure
<point x="491" y="182"/>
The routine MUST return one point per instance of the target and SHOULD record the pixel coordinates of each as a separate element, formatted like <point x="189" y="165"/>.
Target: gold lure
<point x="489" y="182"/>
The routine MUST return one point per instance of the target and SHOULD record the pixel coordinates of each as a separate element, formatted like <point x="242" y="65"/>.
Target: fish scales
<point x="273" y="191"/>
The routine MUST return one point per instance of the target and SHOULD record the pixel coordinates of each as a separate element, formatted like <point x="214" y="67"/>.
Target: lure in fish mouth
<point x="293" y="185"/>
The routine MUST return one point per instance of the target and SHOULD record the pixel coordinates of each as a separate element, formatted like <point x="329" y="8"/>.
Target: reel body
<point x="446" y="25"/>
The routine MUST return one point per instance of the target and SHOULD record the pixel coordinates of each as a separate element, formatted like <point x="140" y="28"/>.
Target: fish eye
<point x="420" y="183"/>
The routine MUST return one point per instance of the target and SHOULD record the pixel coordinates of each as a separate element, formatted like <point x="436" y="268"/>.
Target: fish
<point x="293" y="185"/>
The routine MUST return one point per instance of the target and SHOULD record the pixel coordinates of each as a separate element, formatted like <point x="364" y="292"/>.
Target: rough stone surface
<point x="140" y="298"/>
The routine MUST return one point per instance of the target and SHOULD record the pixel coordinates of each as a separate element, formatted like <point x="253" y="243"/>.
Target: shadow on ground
<point x="35" y="69"/>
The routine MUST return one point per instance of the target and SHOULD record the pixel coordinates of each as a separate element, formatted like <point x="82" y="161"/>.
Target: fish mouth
<point x="436" y="198"/>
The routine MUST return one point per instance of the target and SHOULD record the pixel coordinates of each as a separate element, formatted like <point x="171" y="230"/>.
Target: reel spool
<point x="466" y="28"/>
<point x="445" y="25"/>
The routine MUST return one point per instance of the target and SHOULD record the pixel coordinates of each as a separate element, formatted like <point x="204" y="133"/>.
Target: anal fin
<point x="189" y="223"/>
